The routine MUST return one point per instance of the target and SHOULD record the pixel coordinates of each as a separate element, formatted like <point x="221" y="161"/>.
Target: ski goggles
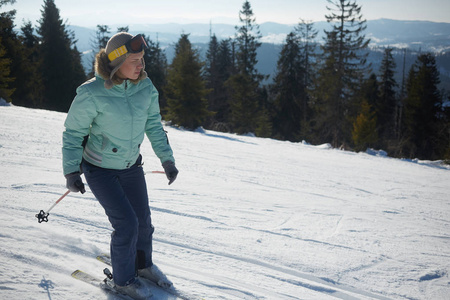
<point x="135" y="45"/>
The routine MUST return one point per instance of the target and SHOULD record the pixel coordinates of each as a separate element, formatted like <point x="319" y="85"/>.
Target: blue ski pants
<point x="123" y="195"/>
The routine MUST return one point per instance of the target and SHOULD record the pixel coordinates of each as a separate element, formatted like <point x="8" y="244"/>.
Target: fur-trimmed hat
<point x="106" y="68"/>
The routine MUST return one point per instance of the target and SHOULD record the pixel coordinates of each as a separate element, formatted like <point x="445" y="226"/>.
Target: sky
<point x="90" y="13"/>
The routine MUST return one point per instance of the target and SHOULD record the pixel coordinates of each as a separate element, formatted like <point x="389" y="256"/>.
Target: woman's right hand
<point x="170" y="170"/>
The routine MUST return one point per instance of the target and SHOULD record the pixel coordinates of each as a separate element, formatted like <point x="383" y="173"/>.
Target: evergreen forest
<point x="323" y="92"/>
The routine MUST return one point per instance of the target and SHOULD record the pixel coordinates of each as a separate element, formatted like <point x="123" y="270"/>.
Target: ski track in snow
<point x="247" y="218"/>
<point x="322" y="285"/>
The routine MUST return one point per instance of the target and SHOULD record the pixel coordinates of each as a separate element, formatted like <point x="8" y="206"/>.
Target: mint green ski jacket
<point x="115" y="121"/>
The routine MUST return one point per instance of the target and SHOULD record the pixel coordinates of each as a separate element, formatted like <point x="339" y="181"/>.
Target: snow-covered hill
<point x="247" y="218"/>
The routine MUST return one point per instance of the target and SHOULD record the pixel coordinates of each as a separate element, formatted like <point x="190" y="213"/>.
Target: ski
<point x="106" y="258"/>
<point x="92" y="280"/>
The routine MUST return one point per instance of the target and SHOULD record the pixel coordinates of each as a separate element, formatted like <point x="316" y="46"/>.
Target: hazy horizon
<point x="89" y="14"/>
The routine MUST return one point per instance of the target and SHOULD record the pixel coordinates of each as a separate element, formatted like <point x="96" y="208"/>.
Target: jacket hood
<point x="103" y="68"/>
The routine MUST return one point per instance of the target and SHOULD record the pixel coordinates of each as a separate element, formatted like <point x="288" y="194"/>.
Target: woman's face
<point x="132" y="66"/>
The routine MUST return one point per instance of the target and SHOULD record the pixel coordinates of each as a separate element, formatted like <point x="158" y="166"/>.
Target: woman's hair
<point x="103" y="68"/>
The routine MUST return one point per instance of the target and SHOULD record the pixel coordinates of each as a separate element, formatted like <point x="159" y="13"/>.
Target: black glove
<point x="171" y="171"/>
<point x="74" y="182"/>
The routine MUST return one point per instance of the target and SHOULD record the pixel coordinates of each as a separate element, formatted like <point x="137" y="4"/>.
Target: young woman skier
<point x="104" y="130"/>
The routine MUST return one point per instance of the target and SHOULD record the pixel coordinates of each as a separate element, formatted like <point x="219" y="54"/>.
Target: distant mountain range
<point x="416" y="36"/>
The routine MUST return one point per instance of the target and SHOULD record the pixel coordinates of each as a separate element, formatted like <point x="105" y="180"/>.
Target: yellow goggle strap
<point x="117" y="53"/>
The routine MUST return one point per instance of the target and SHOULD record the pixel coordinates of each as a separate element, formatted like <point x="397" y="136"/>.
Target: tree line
<point x="321" y="92"/>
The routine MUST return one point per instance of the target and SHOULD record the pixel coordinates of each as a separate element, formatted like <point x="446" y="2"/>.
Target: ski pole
<point x="42" y="216"/>
<point x="154" y="172"/>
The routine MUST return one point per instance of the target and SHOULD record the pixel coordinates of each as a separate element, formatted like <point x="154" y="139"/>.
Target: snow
<point x="247" y="218"/>
<point x="3" y="102"/>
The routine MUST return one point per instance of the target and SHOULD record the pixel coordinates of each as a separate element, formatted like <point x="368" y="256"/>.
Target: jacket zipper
<point x="132" y="121"/>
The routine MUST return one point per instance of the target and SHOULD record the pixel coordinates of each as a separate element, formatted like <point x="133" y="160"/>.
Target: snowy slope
<point x="247" y="218"/>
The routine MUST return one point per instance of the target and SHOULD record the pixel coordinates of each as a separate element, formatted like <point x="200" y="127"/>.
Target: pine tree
<point x="102" y="36"/>
<point x="264" y="126"/>
<point x="212" y="75"/>
<point x="342" y="70"/>
<point x="123" y="29"/>
<point x="100" y="41"/>
<point x="61" y="61"/>
<point x="388" y="101"/>
<point x="364" y="132"/>
<point x="444" y="132"/>
<point x="218" y="69"/>
<point x="422" y="106"/>
<point x="244" y="103"/>
<point x="156" y="68"/>
<point x="5" y="79"/>
<point x="6" y="89"/>
<point x="289" y="90"/>
<point x="248" y="36"/>
<point x="370" y="91"/>
<point x="14" y="52"/>
<point x="307" y="35"/>
<point x="243" y="86"/>
<point x="211" y="64"/>
<point x="185" y="90"/>
<point x="224" y="68"/>
<point x="292" y="81"/>
<point x="368" y="96"/>
<point x="225" y="64"/>
<point x="327" y="123"/>
<point x="32" y="87"/>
